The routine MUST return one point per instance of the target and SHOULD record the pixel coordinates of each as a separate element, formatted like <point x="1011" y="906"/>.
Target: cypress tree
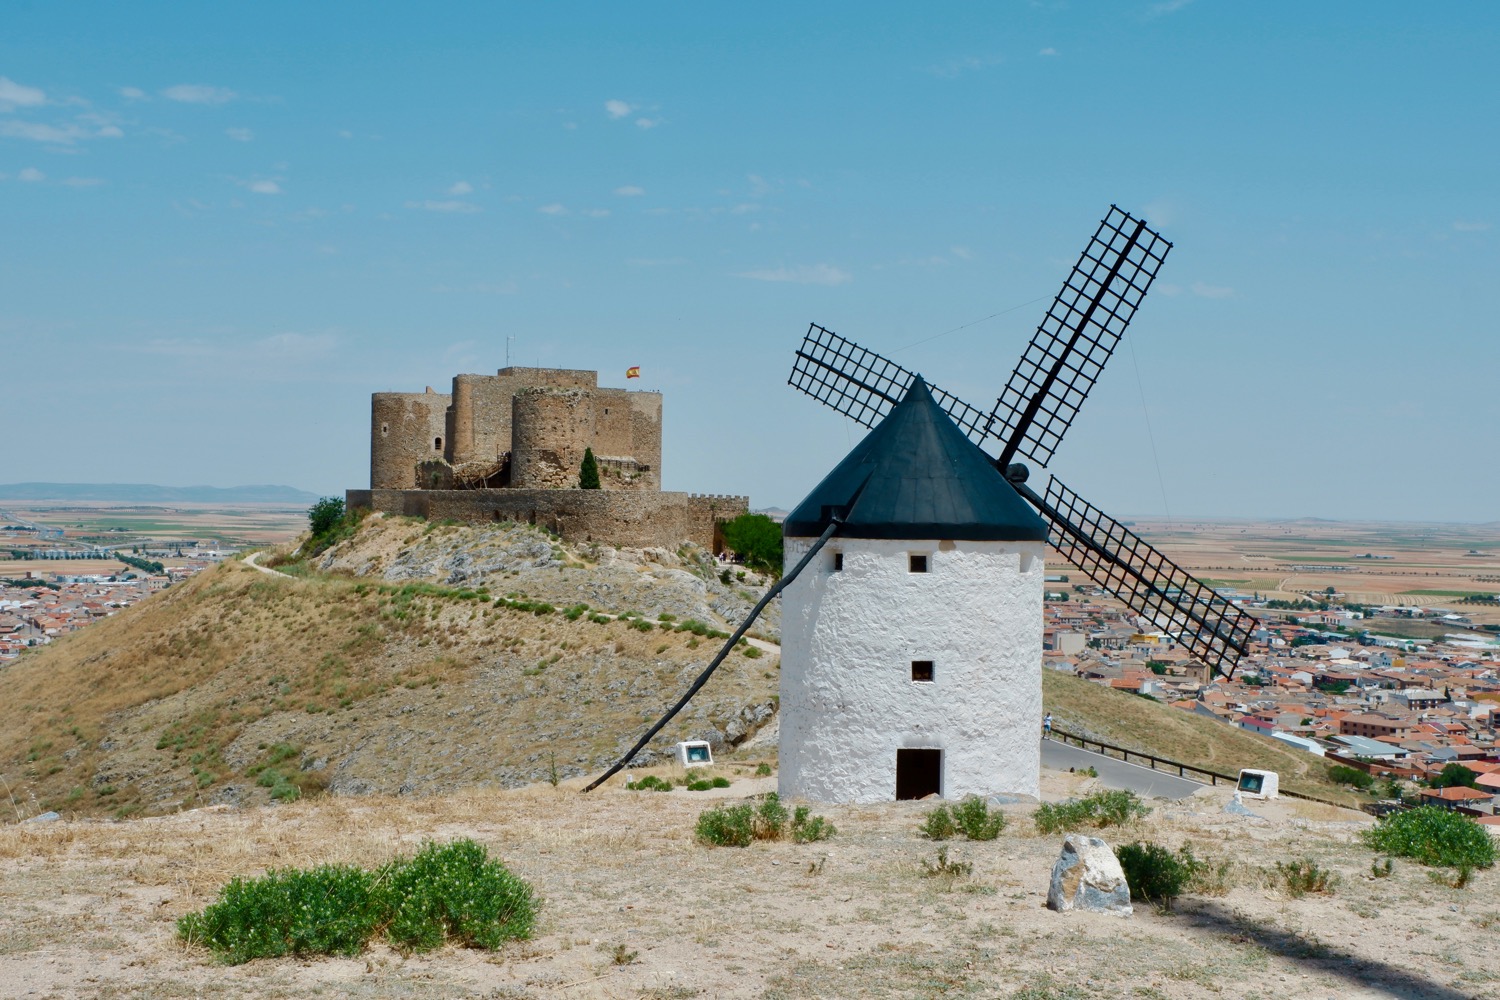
<point x="588" y="473"/>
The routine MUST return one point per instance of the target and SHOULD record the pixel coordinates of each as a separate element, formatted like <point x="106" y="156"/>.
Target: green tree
<point x="1455" y="775"/>
<point x="758" y="539"/>
<point x="588" y="472"/>
<point x="323" y="515"/>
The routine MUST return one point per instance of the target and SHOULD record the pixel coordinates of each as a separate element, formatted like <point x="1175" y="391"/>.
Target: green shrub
<point x="752" y="652"/>
<point x="1155" y="874"/>
<point x="455" y="891"/>
<point x="939" y="825"/>
<point x="737" y="826"/>
<point x="727" y="826"/>
<point x="1299" y="878"/>
<point x="1342" y="774"/>
<point x="770" y="818"/>
<point x="807" y="829"/>
<point x="1112" y="808"/>
<point x="649" y="783"/>
<point x="704" y="784"/>
<point x="974" y="818"/>
<point x="330" y="910"/>
<point x="762" y="769"/>
<point x="1432" y="836"/>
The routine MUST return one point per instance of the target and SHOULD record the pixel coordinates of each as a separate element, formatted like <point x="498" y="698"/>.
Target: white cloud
<point x="553" y="209"/>
<point x="62" y="135"/>
<point x="805" y="274"/>
<point x="83" y="182"/>
<point x="1048" y="51"/>
<point x="198" y="93"/>
<point x="1204" y="291"/>
<point x="110" y="132"/>
<point x="595" y="213"/>
<point x="758" y="186"/>
<point x="31" y="174"/>
<point x="345" y="134"/>
<point x="617" y="109"/>
<point x="630" y="191"/>
<point x="272" y="351"/>
<point x="962" y="64"/>
<point x="647" y="122"/>
<point x="744" y="207"/>
<point x="239" y="134"/>
<point x="15" y="95"/>
<point x="133" y="93"/>
<point x="1166" y="7"/>
<point x="1471" y="227"/>
<point x="462" y="187"/>
<point x="264" y="187"/>
<point x="962" y="253"/>
<point x="451" y="207"/>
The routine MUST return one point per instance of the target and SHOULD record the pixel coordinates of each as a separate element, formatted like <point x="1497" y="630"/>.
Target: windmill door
<point x="919" y="773"/>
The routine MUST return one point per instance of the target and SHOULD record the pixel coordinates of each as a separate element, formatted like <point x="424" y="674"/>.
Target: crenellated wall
<point x="631" y="519"/>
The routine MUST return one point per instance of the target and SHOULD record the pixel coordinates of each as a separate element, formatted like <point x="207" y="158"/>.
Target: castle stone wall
<point x="405" y="428"/>
<point x="645" y="435"/>
<point x="479" y="425"/>
<point x="630" y="519"/>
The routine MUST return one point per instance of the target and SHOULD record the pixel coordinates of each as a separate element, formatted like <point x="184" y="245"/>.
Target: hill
<point x="1100" y="713"/>
<point x="146" y="493"/>
<point x="238" y="685"/>
<point x="423" y="658"/>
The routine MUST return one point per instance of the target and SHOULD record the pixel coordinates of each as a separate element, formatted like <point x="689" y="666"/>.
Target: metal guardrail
<point x="1183" y="770"/>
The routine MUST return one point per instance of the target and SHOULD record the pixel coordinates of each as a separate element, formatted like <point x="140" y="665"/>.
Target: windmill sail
<point x="1077" y="337"/>
<point x="1149" y="583"/>
<point x="864" y="386"/>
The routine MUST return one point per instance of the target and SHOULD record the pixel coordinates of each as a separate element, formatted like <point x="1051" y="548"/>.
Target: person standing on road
<point x="1047" y="727"/>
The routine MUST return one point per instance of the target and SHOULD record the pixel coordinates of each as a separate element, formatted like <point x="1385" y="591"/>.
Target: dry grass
<point x="170" y="702"/>
<point x="87" y="908"/>
<point x="1098" y="712"/>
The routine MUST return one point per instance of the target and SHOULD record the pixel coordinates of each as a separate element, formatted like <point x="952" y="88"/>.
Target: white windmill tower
<point x="912" y="647"/>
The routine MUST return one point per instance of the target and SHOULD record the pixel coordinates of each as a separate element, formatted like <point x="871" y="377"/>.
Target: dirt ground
<point x="634" y="908"/>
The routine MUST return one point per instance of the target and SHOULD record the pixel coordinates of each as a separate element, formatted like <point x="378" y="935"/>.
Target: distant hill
<point x="146" y="493"/>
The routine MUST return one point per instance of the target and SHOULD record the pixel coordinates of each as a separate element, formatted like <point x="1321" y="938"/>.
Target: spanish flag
<point x="633" y="372"/>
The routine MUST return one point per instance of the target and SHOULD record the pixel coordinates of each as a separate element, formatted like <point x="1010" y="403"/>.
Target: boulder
<point x="1087" y="876"/>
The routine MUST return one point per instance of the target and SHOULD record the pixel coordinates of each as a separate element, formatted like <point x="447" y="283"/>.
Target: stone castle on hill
<point x="509" y="446"/>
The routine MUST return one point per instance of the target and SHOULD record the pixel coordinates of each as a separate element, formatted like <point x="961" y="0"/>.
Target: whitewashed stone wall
<point x="848" y="639"/>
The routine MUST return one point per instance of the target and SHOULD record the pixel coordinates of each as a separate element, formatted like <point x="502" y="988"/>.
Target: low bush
<point x="455" y="892"/>
<point x="975" y="820"/>
<point x="329" y="910"/>
<point x="807" y="829"/>
<point x="1432" y="836"/>
<point x="704" y="784"/>
<point x="1112" y="808"/>
<point x="1155" y="874"/>
<point x="726" y="826"/>
<point x="938" y="824"/>
<point x="449" y="891"/>
<point x="738" y="826"/>
<point x="762" y="769"/>
<point x="1301" y="877"/>
<point x="649" y="783"/>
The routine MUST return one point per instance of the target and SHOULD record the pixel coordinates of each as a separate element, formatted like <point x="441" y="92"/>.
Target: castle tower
<point x="911" y="654"/>
<point x="405" y="428"/>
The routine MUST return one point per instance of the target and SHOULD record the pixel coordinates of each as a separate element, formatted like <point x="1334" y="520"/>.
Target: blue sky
<point x="225" y="225"/>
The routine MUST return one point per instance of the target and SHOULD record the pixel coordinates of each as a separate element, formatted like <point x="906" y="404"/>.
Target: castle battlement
<point x="509" y="446"/>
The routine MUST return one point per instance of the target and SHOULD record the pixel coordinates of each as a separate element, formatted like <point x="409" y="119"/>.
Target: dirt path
<point x="250" y="561"/>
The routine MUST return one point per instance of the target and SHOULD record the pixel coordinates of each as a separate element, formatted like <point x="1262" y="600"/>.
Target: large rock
<point x="1087" y="876"/>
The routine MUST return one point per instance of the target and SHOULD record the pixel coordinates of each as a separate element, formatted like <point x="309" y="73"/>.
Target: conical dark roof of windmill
<point x="916" y="475"/>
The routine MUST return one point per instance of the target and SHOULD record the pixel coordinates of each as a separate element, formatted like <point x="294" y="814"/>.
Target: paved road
<point x="1116" y="773"/>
